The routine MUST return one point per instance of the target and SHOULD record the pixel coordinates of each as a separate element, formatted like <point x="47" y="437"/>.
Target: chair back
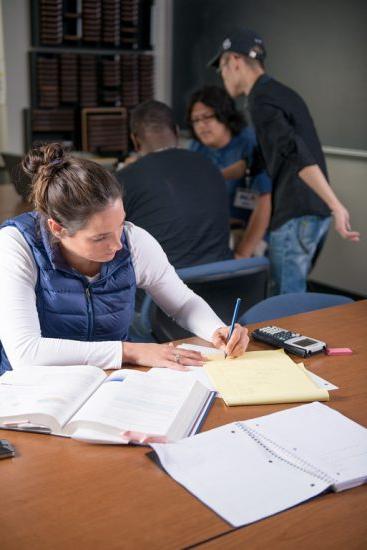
<point x="219" y="284"/>
<point x="291" y="304"/>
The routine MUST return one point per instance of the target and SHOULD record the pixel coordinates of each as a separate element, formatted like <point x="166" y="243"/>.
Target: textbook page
<point x="329" y="440"/>
<point x="194" y="373"/>
<point x="46" y="396"/>
<point x="236" y="476"/>
<point x="263" y="377"/>
<point x="211" y="354"/>
<point x="142" y="404"/>
<point x="197" y="374"/>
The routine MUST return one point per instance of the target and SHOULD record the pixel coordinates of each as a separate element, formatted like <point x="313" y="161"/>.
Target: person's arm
<point x="315" y="179"/>
<point x="234" y="171"/>
<point x="20" y="331"/>
<point x="157" y="276"/>
<point x="256" y="228"/>
<point x="281" y="144"/>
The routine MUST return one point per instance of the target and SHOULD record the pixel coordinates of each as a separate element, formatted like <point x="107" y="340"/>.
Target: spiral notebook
<point x="246" y="471"/>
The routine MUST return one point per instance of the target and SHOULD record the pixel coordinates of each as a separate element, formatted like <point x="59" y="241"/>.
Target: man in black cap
<point x="302" y="199"/>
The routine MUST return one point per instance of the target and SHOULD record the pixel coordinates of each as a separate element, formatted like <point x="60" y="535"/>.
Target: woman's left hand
<point x="237" y="344"/>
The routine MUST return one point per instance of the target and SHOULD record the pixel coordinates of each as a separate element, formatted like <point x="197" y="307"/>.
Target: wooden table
<point x="61" y="494"/>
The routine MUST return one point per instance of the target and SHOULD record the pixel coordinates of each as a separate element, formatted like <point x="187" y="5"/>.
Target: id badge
<point x="245" y="198"/>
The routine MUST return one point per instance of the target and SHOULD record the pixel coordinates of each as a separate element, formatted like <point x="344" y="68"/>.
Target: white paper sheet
<point x="235" y="476"/>
<point x="250" y="470"/>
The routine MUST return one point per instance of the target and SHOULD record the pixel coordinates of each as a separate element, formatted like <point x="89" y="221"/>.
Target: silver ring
<point x="177" y="357"/>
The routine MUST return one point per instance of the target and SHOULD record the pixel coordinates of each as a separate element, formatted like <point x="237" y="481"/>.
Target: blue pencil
<point x="234" y="320"/>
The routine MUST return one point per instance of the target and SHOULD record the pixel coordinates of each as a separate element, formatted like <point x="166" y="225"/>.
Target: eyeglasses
<point x="203" y="118"/>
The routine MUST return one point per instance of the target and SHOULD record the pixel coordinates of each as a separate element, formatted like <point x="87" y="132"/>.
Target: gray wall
<point x="318" y="47"/>
<point x="343" y="264"/>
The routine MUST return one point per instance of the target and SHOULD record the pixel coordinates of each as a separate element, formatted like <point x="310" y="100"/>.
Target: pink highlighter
<point x="338" y="351"/>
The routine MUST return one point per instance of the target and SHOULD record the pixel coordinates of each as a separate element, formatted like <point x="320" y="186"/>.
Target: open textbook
<point x="246" y="471"/>
<point x="84" y="403"/>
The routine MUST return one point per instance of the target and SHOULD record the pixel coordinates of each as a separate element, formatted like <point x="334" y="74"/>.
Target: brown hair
<point x="68" y="189"/>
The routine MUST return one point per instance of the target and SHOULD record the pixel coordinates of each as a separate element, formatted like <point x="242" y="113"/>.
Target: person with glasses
<point x="220" y="133"/>
<point x="302" y="199"/>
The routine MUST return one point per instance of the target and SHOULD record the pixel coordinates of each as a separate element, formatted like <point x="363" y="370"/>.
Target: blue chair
<point x="219" y="284"/>
<point x="290" y="304"/>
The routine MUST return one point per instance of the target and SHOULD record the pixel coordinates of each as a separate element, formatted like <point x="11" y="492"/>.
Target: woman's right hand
<point x="160" y="355"/>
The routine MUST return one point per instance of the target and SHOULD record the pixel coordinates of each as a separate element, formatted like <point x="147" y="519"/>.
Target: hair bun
<point x="50" y="156"/>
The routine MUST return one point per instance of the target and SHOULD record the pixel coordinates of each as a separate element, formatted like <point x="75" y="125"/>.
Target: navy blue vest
<point x="69" y="307"/>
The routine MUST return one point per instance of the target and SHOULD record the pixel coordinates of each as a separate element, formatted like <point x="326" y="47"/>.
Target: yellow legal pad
<point x="263" y="377"/>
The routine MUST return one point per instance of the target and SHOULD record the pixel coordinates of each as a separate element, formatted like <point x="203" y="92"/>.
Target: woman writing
<point x="70" y="269"/>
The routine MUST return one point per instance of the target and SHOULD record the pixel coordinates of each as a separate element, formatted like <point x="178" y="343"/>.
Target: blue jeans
<point x="291" y="249"/>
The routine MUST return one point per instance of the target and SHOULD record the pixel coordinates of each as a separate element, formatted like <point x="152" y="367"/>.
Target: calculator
<point x="290" y="341"/>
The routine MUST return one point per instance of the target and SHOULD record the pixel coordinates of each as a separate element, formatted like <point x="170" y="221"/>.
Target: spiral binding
<point x="297" y="462"/>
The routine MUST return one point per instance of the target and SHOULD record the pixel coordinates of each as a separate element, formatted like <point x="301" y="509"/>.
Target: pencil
<point x="234" y="320"/>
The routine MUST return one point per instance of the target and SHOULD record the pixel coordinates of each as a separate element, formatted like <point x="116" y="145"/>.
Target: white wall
<point x="2" y="86"/>
<point x="343" y="264"/>
<point x="16" y="41"/>
<point x="162" y="23"/>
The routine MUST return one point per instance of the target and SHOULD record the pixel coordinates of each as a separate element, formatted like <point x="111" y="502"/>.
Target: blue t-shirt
<point x="240" y="147"/>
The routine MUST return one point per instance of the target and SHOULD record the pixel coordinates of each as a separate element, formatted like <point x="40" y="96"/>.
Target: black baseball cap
<point x="244" y="41"/>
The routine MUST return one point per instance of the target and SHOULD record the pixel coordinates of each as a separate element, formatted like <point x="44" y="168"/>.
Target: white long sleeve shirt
<point x="20" y="331"/>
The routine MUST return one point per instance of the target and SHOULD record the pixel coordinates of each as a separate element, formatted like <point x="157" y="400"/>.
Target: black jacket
<point x="288" y="143"/>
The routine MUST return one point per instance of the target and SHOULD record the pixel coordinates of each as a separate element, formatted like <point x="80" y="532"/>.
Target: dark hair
<point x="223" y="106"/>
<point x="151" y="116"/>
<point x="68" y="189"/>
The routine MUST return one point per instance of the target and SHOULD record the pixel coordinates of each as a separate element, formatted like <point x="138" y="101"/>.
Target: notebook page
<point x="199" y="374"/>
<point x="321" y="382"/>
<point x="235" y="476"/>
<point x="323" y="437"/>
<point x="267" y="377"/>
<point x="55" y="391"/>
